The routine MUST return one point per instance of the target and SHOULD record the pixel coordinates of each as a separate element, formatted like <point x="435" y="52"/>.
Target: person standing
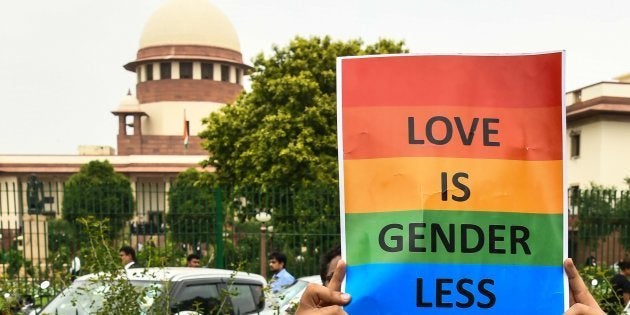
<point x="128" y="257"/>
<point x="281" y="277"/>
<point x="621" y="289"/>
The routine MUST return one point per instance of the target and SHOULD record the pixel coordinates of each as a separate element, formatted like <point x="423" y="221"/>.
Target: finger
<point x="337" y="279"/>
<point x="577" y="288"/>
<point x="317" y="296"/>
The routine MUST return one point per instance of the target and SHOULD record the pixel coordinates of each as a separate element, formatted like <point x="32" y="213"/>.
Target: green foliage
<point x="14" y="259"/>
<point x="99" y="254"/>
<point x="13" y="294"/>
<point x="602" y="211"/>
<point x="597" y="281"/>
<point x="282" y="138"/>
<point x="284" y="132"/>
<point x="192" y="215"/>
<point x="100" y="192"/>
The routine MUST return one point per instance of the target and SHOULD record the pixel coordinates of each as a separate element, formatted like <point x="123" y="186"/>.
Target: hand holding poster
<point x="452" y="183"/>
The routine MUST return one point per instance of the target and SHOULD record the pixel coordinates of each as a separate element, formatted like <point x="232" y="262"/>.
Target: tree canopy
<point x="193" y="214"/>
<point x="284" y="132"/>
<point x="96" y="190"/>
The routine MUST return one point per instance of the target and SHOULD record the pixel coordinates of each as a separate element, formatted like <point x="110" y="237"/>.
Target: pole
<point x="263" y="251"/>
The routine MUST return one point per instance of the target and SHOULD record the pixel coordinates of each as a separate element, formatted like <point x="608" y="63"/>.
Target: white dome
<point x="128" y="104"/>
<point x="189" y="22"/>
<point x="129" y="101"/>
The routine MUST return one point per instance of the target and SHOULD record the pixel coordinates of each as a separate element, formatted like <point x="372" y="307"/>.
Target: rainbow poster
<point x="452" y="183"/>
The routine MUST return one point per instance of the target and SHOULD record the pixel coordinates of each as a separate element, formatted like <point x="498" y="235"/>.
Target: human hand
<point x="581" y="302"/>
<point x="321" y="300"/>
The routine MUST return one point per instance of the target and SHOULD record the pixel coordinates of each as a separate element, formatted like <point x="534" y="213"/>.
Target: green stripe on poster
<point x="454" y="237"/>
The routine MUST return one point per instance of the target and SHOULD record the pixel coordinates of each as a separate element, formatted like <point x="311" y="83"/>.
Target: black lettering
<point x="466" y="140"/>
<point x="412" y="133"/>
<point x="419" y="300"/>
<point x="447" y="242"/>
<point x="470" y="298"/>
<point x="492" y="299"/>
<point x="440" y="292"/>
<point x="519" y="239"/>
<point x="487" y="132"/>
<point x="444" y="186"/>
<point x="448" y="128"/>
<point x="493" y="238"/>
<point x="396" y="238"/>
<point x="413" y="237"/>
<point x="464" y="242"/>
<point x="461" y="186"/>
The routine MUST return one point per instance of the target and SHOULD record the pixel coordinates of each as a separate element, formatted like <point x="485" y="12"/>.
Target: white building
<point x="186" y="68"/>
<point x="598" y="134"/>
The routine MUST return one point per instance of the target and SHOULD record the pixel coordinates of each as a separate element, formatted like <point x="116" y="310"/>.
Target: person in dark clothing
<point x="128" y="257"/>
<point x="621" y="289"/>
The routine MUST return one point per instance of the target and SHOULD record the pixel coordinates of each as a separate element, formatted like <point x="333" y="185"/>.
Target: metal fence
<point x="599" y="226"/>
<point x="229" y="228"/>
<point x="226" y="226"/>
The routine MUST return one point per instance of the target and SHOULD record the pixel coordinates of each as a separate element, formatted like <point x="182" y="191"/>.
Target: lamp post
<point x="263" y="217"/>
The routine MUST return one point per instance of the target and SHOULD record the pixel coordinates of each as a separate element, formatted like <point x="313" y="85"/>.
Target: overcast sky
<point x="61" y="61"/>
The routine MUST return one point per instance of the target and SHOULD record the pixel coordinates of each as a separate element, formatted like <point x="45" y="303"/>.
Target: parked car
<point x="287" y="300"/>
<point x="190" y="291"/>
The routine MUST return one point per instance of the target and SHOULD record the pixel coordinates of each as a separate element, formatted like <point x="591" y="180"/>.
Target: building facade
<point x="598" y="134"/>
<point x="188" y="64"/>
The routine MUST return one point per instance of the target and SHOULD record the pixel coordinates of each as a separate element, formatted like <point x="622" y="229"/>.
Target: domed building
<point x="188" y="64"/>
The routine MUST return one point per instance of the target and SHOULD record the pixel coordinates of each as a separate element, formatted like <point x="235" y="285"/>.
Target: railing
<point x="41" y="243"/>
<point x="38" y="242"/>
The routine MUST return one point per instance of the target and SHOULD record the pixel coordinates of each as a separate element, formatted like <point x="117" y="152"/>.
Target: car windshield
<point x="86" y="297"/>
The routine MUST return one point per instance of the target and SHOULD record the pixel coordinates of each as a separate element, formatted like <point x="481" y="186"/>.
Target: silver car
<point x="190" y="291"/>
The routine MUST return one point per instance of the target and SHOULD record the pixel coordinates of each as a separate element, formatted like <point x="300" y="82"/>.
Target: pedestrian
<point x="193" y="260"/>
<point x="128" y="257"/>
<point x="281" y="277"/>
<point x="591" y="260"/>
<point x="620" y="295"/>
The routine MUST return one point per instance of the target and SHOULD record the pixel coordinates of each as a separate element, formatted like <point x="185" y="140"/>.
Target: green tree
<point x="284" y="132"/>
<point x="192" y="214"/>
<point x="100" y="192"/>
<point x="277" y="145"/>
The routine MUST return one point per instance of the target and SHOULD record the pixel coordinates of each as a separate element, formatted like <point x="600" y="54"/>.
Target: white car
<point x="285" y="302"/>
<point x="191" y="291"/>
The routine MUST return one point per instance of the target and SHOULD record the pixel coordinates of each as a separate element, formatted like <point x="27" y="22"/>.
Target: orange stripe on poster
<point x="470" y="132"/>
<point x="400" y="184"/>
<point x="488" y="81"/>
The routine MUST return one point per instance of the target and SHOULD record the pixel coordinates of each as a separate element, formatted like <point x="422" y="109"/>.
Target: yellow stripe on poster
<point x="426" y="183"/>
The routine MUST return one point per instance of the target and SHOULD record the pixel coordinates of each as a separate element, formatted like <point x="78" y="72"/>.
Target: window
<point x="185" y="70"/>
<point x="207" y="70"/>
<point x="238" y="76"/>
<point x="247" y="298"/>
<point x="150" y="72"/>
<point x="139" y="71"/>
<point x="202" y="297"/>
<point x="225" y="73"/>
<point x="165" y="70"/>
<point x="575" y="144"/>
<point x="574" y="194"/>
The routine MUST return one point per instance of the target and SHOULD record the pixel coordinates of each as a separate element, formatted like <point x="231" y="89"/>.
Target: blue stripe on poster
<point x="454" y="289"/>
